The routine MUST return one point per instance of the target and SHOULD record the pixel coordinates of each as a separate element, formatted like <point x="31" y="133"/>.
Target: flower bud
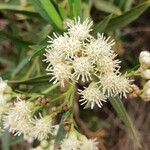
<point x="144" y="59"/>
<point x="146" y="95"/>
<point x="146" y="74"/>
<point x="147" y="85"/>
<point x="144" y="53"/>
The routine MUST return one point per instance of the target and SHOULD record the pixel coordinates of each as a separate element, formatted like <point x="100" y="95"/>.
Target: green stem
<point x="134" y="73"/>
<point x="30" y="71"/>
<point x="37" y="65"/>
<point x="57" y="98"/>
<point x="51" y="88"/>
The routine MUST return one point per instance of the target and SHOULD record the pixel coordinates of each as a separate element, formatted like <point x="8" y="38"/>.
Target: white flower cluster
<point x="18" y="120"/>
<point x="144" y="59"/>
<point x="3" y="86"/>
<point x="69" y="144"/>
<point x="78" y="56"/>
<point x="75" y="144"/>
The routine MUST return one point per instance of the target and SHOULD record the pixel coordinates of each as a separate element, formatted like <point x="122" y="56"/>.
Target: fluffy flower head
<point x="17" y="119"/>
<point x="100" y="47"/>
<point x="82" y="68"/>
<point x="60" y="72"/>
<point x="70" y="144"/>
<point x="91" y="96"/>
<point x="113" y="84"/>
<point x="89" y="144"/>
<point x="78" y="29"/>
<point x="78" y="55"/>
<point x="42" y="127"/>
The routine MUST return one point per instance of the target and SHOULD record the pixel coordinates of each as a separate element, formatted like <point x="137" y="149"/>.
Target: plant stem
<point x="51" y="88"/>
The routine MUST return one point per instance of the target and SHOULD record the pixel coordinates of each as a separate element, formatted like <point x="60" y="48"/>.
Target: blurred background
<point x="22" y="29"/>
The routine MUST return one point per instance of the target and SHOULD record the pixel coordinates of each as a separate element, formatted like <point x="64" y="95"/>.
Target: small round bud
<point x="146" y="95"/>
<point x="53" y="109"/>
<point x="144" y="53"/>
<point x="147" y="85"/>
<point x="65" y="108"/>
<point x="144" y="59"/>
<point x="146" y="74"/>
<point x="135" y="91"/>
<point x="67" y="128"/>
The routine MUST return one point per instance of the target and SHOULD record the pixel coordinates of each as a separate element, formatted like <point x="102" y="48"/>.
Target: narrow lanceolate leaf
<point x="128" y="4"/>
<point x="107" y="6"/>
<point x="100" y="27"/>
<point x="48" y="12"/>
<point x="127" y="17"/>
<point x="20" y="66"/>
<point x="62" y="7"/>
<point x="5" y="140"/>
<point x="123" y="115"/>
<point x="39" y="50"/>
<point x="36" y="80"/>
<point x="17" y="8"/>
<point x="75" y="8"/>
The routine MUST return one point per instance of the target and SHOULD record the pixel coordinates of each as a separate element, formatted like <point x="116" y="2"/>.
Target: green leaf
<point x="86" y="10"/>
<point x="48" y="12"/>
<point x="127" y="17"/>
<point x="40" y="10"/>
<point x="17" y="8"/>
<point x="42" y="35"/>
<point x="75" y="8"/>
<point x="6" y="61"/>
<point x="20" y="66"/>
<point x="62" y="7"/>
<point x="39" y="50"/>
<point x="107" y="6"/>
<point x="16" y="39"/>
<point x="100" y="27"/>
<point x="62" y="12"/>
<point x="123" y="115"/>
<point x="26" y="10"/>
<point x="36" y="80"/>
<point x="5" y="140"/>
<point x="61" y="131"/>
<point x="17" y="140"/>
<point x="128" y="4"/>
